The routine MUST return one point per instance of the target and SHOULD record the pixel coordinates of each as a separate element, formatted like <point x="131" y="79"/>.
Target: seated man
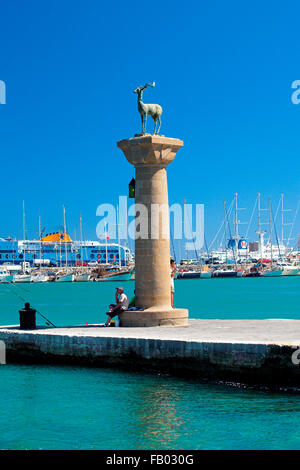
<point x="121" y="305"/>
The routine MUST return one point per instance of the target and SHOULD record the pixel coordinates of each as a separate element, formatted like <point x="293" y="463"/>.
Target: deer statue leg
<point x="145" y="123"/>
<point x="159" y="121"/>
<point x="142" y="117"/>
<point x="155" y="122"/>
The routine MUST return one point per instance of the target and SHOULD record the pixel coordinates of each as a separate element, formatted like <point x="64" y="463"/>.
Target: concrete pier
<point x="248" y="351"/>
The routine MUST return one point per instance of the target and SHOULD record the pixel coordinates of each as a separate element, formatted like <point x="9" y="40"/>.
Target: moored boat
<point x="227" y="273"/>
<point x="5" y="276"/>
<point x="81" y="277"/>
<point x="39" y="277"/>
<point x="288" y="269"/>
<point x="115" y="276"/>
<point x="67" y="277"/>
<point x="272" y="273"/>
<point x="194" y="275"/>
<point x="21" y="277"/>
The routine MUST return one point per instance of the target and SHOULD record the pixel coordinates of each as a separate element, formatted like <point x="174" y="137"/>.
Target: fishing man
<point x="120" y="306"/>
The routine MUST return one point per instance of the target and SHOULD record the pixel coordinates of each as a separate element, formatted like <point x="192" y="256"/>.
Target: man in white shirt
<point x="122" y="303"/>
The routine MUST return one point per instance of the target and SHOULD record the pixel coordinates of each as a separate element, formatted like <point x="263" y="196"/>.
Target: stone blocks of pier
<point x="247" y="351"/>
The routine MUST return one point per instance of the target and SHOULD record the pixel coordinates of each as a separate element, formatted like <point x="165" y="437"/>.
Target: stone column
<point x="150" y="155"/>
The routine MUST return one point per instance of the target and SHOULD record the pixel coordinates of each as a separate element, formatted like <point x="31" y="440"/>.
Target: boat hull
<point x="6" y="278"/>
<point x="21" y="278"/>
<point x="290" y="272"/>
<point x="276" y="273"/>
<point x="194" y="275"/>
<point x="66" y="278"/>
<point x="40" y="278"/>
<point x="116" y="277"/>
<point x="81" y="277"/>
<point x="227" y="274"/>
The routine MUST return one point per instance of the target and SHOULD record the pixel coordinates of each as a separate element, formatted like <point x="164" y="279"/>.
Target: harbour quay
<point x="241" y="351"/>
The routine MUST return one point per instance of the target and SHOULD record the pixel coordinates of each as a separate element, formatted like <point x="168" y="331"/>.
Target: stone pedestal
<point x="150" y="155"/>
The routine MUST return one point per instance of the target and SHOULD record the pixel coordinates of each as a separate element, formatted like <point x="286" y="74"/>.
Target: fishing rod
<point x="48" y="322"/>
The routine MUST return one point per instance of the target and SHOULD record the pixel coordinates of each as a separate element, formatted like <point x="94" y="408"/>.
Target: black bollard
<point x="27" y="318"/>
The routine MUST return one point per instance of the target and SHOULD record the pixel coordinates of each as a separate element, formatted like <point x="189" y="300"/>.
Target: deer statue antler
<point x="149" y="84"/>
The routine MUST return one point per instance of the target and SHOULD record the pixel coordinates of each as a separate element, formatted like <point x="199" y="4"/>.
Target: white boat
<point x="5" y="276"/>
<point x="126" y="276"/>
<point x="39" y="277"/>
<point x="81" y="277"/>
<point x="21" y="277"/>
<point x="272" y="273"/>
<point x="65" y="278"/>
<point x="288" y="269"/>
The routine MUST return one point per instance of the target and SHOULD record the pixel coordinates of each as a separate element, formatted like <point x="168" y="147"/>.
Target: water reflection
<point x="158" y="419"/>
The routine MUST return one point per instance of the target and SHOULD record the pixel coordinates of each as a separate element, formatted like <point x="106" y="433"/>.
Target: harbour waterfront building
<point x="58" y="249"/>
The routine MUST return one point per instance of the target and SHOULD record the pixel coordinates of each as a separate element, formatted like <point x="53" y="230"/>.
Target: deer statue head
<point x="139" y="89"/>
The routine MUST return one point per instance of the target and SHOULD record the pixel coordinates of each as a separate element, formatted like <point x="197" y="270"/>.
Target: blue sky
<point x="223" y="72"/>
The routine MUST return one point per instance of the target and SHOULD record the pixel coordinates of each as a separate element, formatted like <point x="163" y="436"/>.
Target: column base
<point x="150" y="317"/>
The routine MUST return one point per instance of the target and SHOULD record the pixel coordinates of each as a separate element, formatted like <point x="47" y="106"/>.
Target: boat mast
<point x="236" y="223"/>
<point x="270" y="224"/>
<point x="282" y="221"/>
<point x="225" y="231"/>
<point x="118" y="228"/>
<point x="105" y="233"/>
<point x="260" y="232"/>
<point x="186" y="251"/>
<point x="59" y="234"/>
<point x="24" y="234"/>
<point x="81" y="240"/>
<point x="282" y="218"/>
<point x="65" y="230"/>
<point x="40" y="237"/>
<point x="259" y="226"/>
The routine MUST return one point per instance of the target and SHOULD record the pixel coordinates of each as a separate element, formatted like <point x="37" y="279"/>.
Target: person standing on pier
<point x="172" y="272"/>
<point x="120" y="306"/>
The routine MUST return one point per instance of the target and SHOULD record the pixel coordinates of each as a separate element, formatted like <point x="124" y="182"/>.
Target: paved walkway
<point x="273" y="331"/>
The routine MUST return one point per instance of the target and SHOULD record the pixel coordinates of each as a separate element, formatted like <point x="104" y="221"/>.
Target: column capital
<point x="147" y="149"/>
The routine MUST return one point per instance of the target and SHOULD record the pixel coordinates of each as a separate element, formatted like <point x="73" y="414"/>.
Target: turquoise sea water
<point x="78" y="303"/>
<point x="64" y="407"/>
